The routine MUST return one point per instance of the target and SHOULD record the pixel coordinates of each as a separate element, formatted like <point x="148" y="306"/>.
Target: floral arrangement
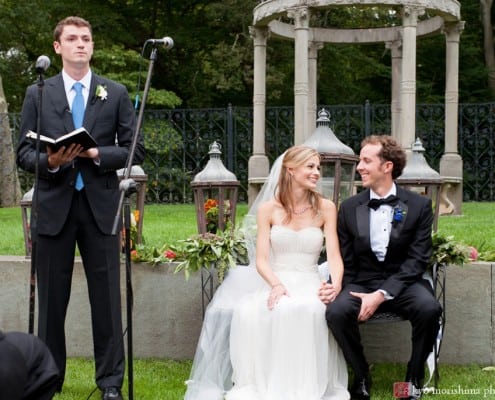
<point x="152" y="254"/>
<point x="398" y="215"/>
<point x="448" y="251"/>
<point x="223" y="250"/>
<point x="135" y="215"/>
<point x="212" y="214"/>
<point x="101" y="92"/>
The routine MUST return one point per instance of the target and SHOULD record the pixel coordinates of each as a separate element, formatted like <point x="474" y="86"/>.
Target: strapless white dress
<point x="248" y="352"/>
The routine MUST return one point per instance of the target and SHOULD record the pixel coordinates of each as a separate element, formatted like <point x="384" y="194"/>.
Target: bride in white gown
<point x="265" y="336"/>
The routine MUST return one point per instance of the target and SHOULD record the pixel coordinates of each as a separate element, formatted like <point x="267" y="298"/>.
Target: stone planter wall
<point x="167" y="314"/>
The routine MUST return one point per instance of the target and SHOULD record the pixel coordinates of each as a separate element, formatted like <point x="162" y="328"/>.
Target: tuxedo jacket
<point x="110" y="121"/>
<point x="409" y="249"/>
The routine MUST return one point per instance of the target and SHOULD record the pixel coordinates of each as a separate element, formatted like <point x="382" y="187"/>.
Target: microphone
<point x="167" y="42"/>
<point x="42" y="64"/>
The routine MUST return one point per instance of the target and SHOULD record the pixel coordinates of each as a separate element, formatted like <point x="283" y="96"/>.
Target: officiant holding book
<point x="78" y="195"/>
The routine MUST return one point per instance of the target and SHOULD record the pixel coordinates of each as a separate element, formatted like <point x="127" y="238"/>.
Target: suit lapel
<point x="398" y="225"/>
<point x="402" y="208"/>
<point x="55" y="92"/>
<point x="93" y="105"/>
<point x="363" y="216"/>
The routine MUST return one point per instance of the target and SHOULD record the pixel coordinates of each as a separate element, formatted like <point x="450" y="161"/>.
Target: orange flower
<point x="134" y="256"/>
<point x="210" y="203"/>
<point x="136" y="215"/>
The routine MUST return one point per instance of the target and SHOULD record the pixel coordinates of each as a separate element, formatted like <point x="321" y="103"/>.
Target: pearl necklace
<point x="301" y="211"/>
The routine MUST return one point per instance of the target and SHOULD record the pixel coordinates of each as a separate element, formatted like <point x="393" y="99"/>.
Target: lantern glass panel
<point x="215" y="208"/>
<point x="347" y="181"/>
<point x="327" y="179"/>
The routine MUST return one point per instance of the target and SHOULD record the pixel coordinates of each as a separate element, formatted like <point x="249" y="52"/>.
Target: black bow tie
<point x="390" y="200"/>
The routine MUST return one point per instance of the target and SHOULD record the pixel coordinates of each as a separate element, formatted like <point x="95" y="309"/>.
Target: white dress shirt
<point x="380" y="228"/>
<point x="381" y="225"/>
<point x="71" y="93"/>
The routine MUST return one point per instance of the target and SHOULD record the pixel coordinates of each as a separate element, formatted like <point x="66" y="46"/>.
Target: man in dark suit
<point x="78" y="194"/>
<point x="386" y="248"/>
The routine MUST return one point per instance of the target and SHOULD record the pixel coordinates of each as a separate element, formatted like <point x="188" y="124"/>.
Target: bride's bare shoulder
<point x="268" y="207"/>
<point x="327" y="205"/>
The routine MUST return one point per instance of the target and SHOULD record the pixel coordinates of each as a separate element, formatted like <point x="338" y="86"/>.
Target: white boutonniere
<point x="101" y="92"/>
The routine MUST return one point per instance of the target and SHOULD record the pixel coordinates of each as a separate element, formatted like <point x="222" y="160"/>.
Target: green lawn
<point x="153" y="380"/>
<point x="165" y="224"/>
<point x="474" y="227"/>
<point x="164" y="380"/>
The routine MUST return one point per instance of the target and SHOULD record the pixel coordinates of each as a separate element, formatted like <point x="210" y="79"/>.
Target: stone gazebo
<point x="290" y="20"/>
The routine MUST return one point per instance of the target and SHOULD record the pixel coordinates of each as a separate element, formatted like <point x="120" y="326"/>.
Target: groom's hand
<point x="327" y="292"/>
<point x="369" y="303"/>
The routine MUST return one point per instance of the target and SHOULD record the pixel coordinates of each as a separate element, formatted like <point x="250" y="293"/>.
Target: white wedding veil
<point x="211" y="373"/>
<point x="267" y="192"/>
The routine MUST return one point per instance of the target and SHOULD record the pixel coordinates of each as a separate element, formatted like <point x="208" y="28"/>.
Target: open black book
<point x="80" y="136"/>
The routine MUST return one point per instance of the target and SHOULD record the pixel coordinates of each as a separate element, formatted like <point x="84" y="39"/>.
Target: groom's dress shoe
<point x="412" y="388"/>
<point x="415" y="391"/>
<point x="111" y="393"/>
<point x="361" y="388"/>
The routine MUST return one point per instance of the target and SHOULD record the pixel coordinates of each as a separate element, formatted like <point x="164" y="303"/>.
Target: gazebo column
<point x="314" y="47"/>
<point x="396" y="55"/>
<point x="301" y="79"/>
<point x="451" y="162"/>
<point x="408" y="83"/>
<point x="258" y="165"/>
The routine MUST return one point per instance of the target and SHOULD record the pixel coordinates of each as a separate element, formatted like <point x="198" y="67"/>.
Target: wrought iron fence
<point x="177" y="142"/>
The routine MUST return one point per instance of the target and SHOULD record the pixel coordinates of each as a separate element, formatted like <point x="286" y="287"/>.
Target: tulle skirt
<point x="287" y="353"/>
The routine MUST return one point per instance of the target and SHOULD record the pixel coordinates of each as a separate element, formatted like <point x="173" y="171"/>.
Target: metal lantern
<point x="26" y="204"/>
<point x="338" y="161"/>
<point x="215" y="194"/>
<point x="420" y="177"/>
<point x="137" y="175"/>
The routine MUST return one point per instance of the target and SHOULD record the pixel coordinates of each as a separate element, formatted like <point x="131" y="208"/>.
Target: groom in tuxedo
<point x="77" y="198"/>
<point x="385" y="241"/>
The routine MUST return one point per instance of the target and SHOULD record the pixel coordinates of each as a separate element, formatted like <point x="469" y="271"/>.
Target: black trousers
<point x="416" y="303"/>
<point x="101" y="259"/>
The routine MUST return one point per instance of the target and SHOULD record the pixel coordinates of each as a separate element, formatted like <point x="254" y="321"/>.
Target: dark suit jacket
<point x="111" y="122"/>
<point x="409" y="249"/>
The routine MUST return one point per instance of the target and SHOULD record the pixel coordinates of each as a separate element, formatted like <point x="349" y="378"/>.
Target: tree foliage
<point x="211" y="63"/>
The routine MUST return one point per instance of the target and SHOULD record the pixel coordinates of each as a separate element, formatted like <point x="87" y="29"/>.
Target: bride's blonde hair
<point x="294" y="157"/>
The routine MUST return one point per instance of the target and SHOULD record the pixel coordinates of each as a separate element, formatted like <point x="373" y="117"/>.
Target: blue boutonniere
<point x="398" y="216"/>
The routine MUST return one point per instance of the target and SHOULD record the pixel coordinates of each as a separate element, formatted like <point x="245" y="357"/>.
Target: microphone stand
<point x="127" y="187"/>
<point x="34" y="209"/>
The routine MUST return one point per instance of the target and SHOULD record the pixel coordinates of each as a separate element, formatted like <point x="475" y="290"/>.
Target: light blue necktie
<point x="77" y="118"/>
